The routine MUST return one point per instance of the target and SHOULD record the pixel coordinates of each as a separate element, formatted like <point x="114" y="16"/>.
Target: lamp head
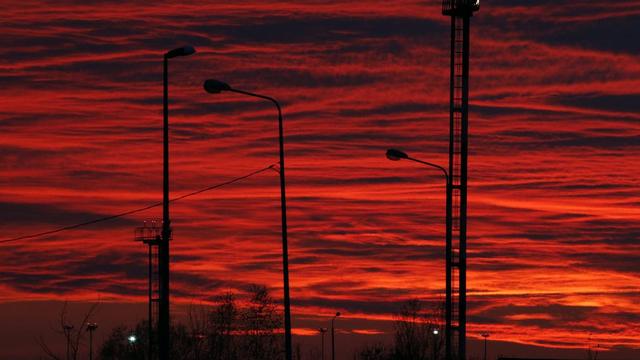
<point x="132" y="339"/>
<point x="395" y="155"/>
<point x="215" y="86"/>
<point x="181" y="51"/>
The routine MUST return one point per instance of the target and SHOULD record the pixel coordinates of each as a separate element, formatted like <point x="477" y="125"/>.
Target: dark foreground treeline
<point x="226" y="331"/>
<point x="418" y="335"/>
<point x="250" y="330"/>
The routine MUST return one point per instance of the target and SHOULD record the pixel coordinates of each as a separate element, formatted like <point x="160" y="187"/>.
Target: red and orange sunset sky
<point x="554" y="201"/>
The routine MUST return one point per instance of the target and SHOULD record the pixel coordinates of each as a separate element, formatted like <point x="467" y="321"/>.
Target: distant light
<point x="435" y="332"/>
<point x="132" y="339"/>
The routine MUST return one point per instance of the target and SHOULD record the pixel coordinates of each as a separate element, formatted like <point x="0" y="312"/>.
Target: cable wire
<point x="130" y="212"/>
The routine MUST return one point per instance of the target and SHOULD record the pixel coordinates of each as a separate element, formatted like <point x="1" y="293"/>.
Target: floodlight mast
<point x="456" y="249"/>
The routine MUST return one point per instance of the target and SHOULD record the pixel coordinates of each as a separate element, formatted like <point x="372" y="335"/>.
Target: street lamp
<point x="485" y="336"/>
<point x="163" y="248"/>
<point x="395" y="155"/>
<point x="322" y="332"/>
<point x="67" y="333"/>
<point x="216" y="87"/>
<point x="91" y="327"/>
<point x="333" y="337"/>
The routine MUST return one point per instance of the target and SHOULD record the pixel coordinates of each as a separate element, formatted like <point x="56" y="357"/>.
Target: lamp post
<point x="395" y="155"/>
<point x="215" y="87"/>
<point x="163" y="247"/>
<point x="67" y="333"/>
<point x="91" y="327"/>
<point x="322" y="332"/>
<point x="333" y="337"/>
<point x="485" y="336"/>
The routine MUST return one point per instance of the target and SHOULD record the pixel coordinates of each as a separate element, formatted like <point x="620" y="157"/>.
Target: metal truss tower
<point x="151" y="235"/>
<point x="456" y="248"/>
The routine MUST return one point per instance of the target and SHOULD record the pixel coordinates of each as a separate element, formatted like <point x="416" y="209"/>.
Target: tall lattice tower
<point x="150" y="235"/>
<point x="456" y="249"/>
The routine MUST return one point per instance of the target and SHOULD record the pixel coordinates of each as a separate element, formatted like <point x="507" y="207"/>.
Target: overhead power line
<point x="130" y="212"/>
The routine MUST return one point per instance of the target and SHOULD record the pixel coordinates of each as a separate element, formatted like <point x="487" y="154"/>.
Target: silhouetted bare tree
<point x="374" y="352"/>
<point x="418" y="335"/>
<point x="216" y="329"/>
<point x="260" y="320"/>
<point x="414" y="336"/>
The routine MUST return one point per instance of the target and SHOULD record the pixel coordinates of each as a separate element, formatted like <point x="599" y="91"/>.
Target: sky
<point x="554" y="206"/>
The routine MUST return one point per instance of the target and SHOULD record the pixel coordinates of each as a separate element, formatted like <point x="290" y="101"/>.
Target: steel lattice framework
<point x="460" y="12"/>
<point x="151" y="235"/>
